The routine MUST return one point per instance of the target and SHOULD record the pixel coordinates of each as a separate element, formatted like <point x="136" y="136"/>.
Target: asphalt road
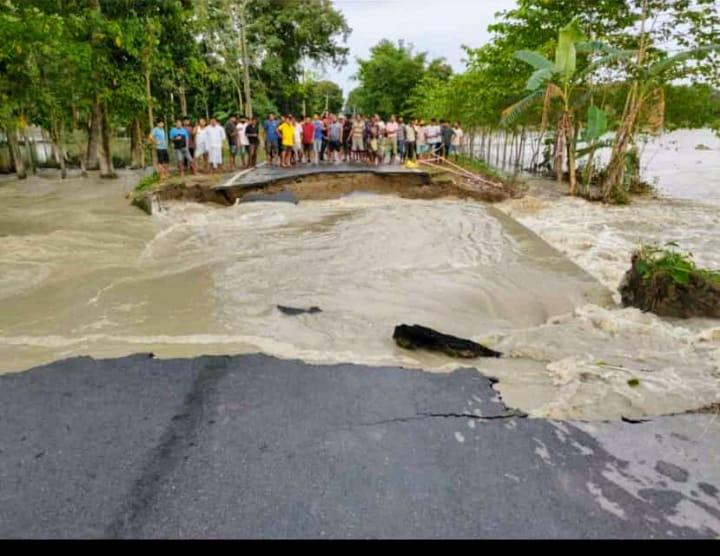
<point x="251" y="446"/>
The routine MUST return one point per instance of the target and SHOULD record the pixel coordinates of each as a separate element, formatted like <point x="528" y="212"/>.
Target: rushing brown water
<point x="83" y="273"/>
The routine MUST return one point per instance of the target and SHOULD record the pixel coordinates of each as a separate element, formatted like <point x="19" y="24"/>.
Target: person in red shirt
<point x="308" y="139"/>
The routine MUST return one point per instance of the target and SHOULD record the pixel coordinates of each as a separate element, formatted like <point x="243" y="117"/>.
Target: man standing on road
<point x="287" y="135"/>
<point x="187" y="125"/>
<point x="434" y="138"/>
<point x="410" y="139"/>
<point x="253" y="137"/>
<point x="318" y="140"/>
<point x="271" y="139"/>
<point x="335" y="137"/>
<point x="242" y="141"/>
<point x="308" y="139"/>
<point x="347" y="136"/>
<point x="391" y="131"/>
<point x="326" y="135"/>
<point x="298" y="141"/>
<point x="358" y="131"/>
<point x="374" y="136"/>
<point x="447" y="134"/>
<point x="457" y="140"/>
<point x="420" y="139"/>
<point x="215" y="137"/>
<point x="201" y="151"/>
<point x="401" y="139"/>
<point x="180" y="139"/>
<point x="158" y="137"/>
<point x="231" y="133"/>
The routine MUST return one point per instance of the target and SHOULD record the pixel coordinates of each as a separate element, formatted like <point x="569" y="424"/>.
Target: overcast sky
<point x="438" y="27"/>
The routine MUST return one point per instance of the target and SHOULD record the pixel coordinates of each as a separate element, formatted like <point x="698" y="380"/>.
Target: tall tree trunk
<point x="137" y="148"/>
<point x="560" y="149"/>
<point x="570" y="130"/>
<point x="106" y="164"/>
<point x="58" y="144"/>
<point x="151" y="118"/>
<point x="15" y="154"/>
<point x="29" y="151"/>
<point x="615" y="174"/>
<point x="183" y="101"/>
<point x="92" y="161"/>
<point x="246" y="62"/>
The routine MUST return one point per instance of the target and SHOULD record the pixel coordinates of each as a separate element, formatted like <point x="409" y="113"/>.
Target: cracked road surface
<point x="252" y="446"/>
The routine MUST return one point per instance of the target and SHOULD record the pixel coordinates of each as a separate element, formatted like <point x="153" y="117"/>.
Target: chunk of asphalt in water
<point x="420" y="337"/>
<point x="293" y="311"/>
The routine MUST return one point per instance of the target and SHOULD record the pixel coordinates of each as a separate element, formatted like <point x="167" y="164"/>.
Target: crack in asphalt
<point x="422" y="416"/>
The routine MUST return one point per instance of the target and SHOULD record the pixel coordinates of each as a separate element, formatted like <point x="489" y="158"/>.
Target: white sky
<point x="438" y="27"/>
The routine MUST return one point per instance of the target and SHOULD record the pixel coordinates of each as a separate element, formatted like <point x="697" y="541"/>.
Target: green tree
<point x="388" y="77"/>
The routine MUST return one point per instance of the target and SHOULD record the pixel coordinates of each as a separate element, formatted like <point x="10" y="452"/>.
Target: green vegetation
<point x="572" y="71"/>
<point x="668" y="260"/>
<point x="478" y="166"/>
<point x="147" y="183"/>
<point x="389" y="74"/>
<point x="98" y="68"/>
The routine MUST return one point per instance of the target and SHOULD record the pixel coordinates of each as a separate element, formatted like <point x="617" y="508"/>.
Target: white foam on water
<point x="83" y="273"/>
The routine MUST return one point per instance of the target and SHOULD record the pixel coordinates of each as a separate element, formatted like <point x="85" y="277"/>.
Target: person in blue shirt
<point x="158" y="138"/>
<point x="180" y="138"/>
<point x="319" y="132"/>
<point x="272" y="139"/>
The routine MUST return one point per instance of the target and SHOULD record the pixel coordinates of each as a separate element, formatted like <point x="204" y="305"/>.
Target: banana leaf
<point x="535" y="59"/>
<point x="597" y="124"/>
<point x="659" y="67"/>
<point x="538" y="78"/>
<point x="566" y="54"/>
<point x="513" y="112"/>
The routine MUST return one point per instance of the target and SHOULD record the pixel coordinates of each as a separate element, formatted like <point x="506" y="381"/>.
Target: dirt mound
<point x="662" y="294"/>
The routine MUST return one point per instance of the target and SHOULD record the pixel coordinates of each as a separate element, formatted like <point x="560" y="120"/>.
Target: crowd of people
<point x="288" y="141"/>
<point x="337" y="138"/>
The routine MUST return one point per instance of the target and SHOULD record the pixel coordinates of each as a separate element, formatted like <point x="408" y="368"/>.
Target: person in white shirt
<point x="200" y="144"/>
<point x="433" y="137"/>
<point x="242" y="140"/>
<point x="215" y="138"/>
<point x="297" y="141"/>
<point x="457" y="140"/>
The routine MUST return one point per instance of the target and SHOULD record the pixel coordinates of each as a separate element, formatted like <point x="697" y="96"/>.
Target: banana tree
<point x="558" y="80"/>
<point x="645" y="104"/>
<point x="595" y="127"/>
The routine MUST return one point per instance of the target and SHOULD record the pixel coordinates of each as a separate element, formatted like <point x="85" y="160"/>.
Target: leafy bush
<point x="669" y="260"/>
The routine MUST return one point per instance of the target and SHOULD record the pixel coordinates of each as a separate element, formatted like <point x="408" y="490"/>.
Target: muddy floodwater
<point x="83" y="273"/>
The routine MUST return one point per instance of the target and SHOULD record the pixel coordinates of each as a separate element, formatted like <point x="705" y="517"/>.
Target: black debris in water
<point x="420" y="337"/>
<point x="294" y="311"/>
